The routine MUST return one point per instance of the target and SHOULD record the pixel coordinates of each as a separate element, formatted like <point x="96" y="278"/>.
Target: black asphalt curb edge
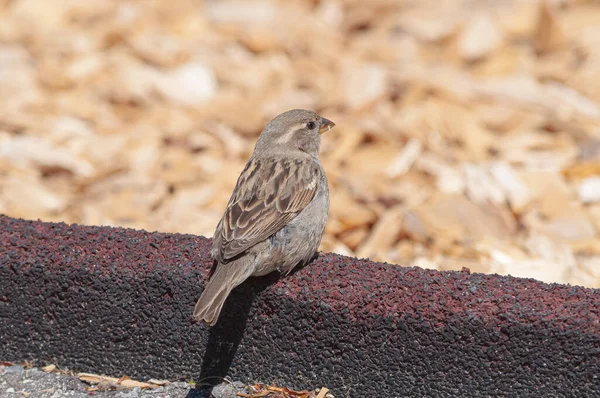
<point x="119" y="301"/>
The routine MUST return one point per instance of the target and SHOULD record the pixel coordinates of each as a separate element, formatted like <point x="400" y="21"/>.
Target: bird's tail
<point x="225" y="278"/>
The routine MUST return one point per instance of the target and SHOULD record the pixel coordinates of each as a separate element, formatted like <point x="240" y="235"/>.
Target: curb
<point x="119" y="301"/>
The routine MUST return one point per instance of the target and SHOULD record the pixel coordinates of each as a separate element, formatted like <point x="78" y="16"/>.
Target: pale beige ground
<point x="468" y="132"/>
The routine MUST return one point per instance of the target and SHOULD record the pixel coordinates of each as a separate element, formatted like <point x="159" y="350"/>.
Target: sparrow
<point x="277" y="213"/>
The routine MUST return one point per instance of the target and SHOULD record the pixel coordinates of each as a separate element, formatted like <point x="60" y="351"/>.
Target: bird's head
<point x="294" y="130"/>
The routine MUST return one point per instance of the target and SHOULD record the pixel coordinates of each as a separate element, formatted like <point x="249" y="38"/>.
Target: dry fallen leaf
<point x="113" y="382"/>
<point x="49" y="368"/>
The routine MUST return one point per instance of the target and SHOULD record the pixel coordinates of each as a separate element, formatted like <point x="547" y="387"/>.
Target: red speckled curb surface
<point x="119" y="301"/>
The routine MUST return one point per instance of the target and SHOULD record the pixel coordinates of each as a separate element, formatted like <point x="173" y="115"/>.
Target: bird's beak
<point x="326" y="125"/>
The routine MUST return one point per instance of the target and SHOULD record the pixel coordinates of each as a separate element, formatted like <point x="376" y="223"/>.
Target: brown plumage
<point x="277" y="212"/>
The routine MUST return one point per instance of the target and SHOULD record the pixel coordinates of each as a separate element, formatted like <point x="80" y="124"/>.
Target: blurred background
<point x="468" y="131"/>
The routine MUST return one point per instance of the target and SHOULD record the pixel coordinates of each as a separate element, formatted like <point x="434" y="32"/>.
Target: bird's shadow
<point x="225" y="336"/>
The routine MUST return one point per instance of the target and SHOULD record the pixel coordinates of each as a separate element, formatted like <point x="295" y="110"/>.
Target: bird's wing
<point x="269" y="193"/>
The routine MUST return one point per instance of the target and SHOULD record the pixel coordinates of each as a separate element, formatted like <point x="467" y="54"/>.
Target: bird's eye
<point x="311" y="125"/>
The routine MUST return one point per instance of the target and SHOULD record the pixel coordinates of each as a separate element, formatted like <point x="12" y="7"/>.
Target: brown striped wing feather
<point x="269" y="193"/>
